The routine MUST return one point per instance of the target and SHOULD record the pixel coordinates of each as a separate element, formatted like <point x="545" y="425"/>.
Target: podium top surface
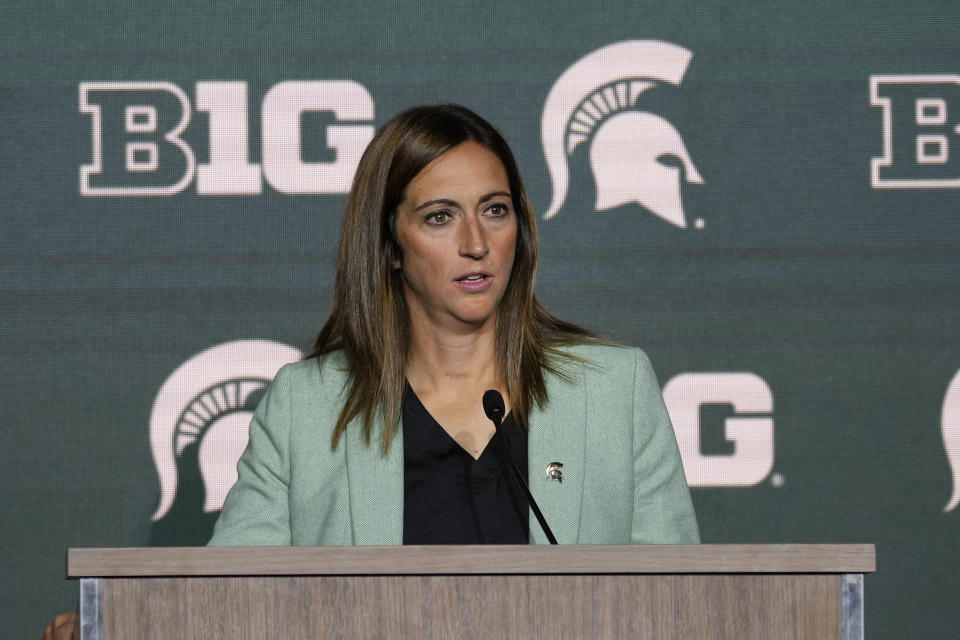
<point x="469" y="560"/>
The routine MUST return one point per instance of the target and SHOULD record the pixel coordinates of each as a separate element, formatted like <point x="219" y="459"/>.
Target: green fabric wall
<point x="835" y="288"/>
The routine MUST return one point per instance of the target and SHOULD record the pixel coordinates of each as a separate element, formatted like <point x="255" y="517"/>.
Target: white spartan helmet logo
<point x="951" y="437"/>
<point x="594" y="98"/>
<point x="206" y="400"/>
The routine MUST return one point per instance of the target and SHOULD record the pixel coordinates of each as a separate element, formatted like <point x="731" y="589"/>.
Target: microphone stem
<point x="505" y="449"/>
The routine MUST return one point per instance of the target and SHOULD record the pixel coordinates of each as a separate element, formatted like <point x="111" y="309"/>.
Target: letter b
<point x="921" y="131"/>
<point x="137" y="148"/>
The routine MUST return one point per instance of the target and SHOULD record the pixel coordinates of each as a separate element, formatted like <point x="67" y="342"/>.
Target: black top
<point x="450" y="498"/>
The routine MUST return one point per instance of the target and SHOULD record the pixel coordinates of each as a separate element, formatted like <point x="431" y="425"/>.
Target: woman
<point x="433" y="305"/>
<point x="379" y="436"/>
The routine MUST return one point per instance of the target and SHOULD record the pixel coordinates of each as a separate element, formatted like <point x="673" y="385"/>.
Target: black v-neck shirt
<point x="450" y="498"/>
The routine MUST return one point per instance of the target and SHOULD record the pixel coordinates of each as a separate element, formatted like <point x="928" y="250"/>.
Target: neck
<point x="441" y="359"/>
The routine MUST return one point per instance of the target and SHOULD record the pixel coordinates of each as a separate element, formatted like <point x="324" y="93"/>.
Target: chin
<point x="476" y="321"/>
<point x="476" y="317"/>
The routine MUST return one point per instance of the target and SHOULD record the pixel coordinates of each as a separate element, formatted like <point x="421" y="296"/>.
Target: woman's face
<point x="458" y="232"/>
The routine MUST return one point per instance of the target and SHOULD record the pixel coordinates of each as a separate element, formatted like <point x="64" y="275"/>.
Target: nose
<point x="473" y="239"/>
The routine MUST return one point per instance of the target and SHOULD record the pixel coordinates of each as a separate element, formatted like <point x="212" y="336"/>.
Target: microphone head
<point x="493" y="405"/>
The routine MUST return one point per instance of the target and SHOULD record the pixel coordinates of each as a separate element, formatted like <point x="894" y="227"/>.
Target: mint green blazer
<point x="622" y="477"/>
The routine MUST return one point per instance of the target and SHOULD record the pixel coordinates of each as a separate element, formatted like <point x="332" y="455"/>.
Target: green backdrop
<point x="762" y="195"/>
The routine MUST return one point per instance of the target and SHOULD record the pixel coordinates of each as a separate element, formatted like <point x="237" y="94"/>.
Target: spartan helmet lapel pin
<point x="554" y="471"/>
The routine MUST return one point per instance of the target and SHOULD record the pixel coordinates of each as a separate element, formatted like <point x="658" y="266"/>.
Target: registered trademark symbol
<point x="776" y="480"/>
<point x="699" y="223"/>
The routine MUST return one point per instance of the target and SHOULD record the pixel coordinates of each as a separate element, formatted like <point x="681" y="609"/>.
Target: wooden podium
<point x="666" y="592"/>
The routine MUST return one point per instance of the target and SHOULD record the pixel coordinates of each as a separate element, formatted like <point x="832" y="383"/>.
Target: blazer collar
<point x="557" y="434"/>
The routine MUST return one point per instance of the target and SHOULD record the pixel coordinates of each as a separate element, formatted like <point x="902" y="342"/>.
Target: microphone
<point x="494" y="407"/>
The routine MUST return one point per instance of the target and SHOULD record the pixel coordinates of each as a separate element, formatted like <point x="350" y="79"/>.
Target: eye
<point x="438" y="217"/>
<point x="498" y="209"/>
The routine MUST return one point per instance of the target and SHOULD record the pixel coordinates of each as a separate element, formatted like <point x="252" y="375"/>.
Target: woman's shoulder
<point x="607" y="355"/>
<point x="325" y="371"/>
<point x="608" y="364"/>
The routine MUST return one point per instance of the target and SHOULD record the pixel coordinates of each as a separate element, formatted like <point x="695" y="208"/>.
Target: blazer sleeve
<point x="256" y="511"/>
<point x="662" y="509"/>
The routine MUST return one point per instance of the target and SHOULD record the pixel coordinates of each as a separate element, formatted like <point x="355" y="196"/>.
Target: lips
<point x="474" y="281"/>
<point x="475" y="276"/>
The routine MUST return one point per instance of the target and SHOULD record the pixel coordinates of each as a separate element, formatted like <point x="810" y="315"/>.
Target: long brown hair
<point x="369" y="320"/>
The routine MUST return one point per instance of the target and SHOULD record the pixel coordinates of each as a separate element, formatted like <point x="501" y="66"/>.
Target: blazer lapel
<point x="375" y="486"/>
<point x="557" y="434"/>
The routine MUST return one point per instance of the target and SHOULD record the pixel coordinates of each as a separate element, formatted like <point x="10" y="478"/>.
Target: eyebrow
<point x="454" y="203"/>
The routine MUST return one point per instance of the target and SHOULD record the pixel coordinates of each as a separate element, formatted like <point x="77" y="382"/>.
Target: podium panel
<point x="664" y="592"/>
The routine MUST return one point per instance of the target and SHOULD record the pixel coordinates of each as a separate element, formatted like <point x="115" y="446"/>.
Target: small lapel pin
<point x="554" y="471"/>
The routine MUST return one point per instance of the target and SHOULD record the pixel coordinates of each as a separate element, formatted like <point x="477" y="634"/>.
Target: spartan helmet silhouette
<point x="950" y="425"/>
<point x="207" y="403"/>
<point x="593" y="101"/>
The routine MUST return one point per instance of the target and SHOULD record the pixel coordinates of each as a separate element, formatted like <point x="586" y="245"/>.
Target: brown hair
<point x="369" y="320"/>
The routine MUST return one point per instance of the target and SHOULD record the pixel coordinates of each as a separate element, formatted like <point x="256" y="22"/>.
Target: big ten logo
<point x="921" y="125"/>
<point x="724" y="428"/>
<point x="139" y="148"/>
